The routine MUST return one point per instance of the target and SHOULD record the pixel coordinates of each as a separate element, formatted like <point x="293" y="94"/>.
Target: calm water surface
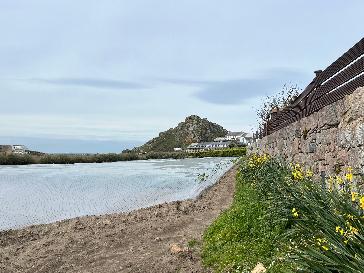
<point x="38" y="194"/>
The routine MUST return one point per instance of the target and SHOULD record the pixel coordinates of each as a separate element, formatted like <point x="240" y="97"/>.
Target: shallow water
<point x="37" y="194"/>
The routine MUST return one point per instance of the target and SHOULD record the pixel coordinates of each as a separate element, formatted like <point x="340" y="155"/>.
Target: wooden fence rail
<point x="339" y="79"/>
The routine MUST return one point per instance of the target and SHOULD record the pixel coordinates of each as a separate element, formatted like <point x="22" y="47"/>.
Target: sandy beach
<point x="154" y="239"/>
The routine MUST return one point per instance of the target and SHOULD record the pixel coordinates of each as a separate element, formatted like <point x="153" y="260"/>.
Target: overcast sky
<point x="99" y="76"/>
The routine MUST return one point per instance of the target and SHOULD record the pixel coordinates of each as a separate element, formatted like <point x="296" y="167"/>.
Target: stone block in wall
<point x="328" y="118"/>
<point x="345" y="138"/>
<point x="312" y="147"/>
<point x="310" y="123"/>
<point x="353" y="105"/>
<point x="358" y="132"/>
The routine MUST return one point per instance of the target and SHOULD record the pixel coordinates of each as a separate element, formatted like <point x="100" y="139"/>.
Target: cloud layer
<point x="91" y="82"/>
<point x="117" y="70"/>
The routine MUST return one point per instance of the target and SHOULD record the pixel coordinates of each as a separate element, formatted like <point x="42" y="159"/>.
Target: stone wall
<point x="326" y="141"/>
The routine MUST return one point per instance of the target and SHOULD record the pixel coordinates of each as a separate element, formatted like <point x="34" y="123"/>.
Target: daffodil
<point x="295" y="213"/>
<point x="325" y="248"/>
<point x="340" y="230"/>
<point x="309" y="173"/>
<point x="354" y="230"/>
<point x="339" y="180"/>
<point x="297" y="172"/>
<point x="361" y="202"/>
<point x="331" y="183"/>
<point x="349" y="177"/>
<point x="354" y="196"/>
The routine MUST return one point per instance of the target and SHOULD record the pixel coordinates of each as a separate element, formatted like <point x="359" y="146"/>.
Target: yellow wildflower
<point x="354" y="196"/>
<point x="309" y="173"/>
<point x="256" y="160"/>
<point x="340" y="230"/>
<point x="331" y="183"/>
<point x="297" y="172"/>
<point x="362" y="202"/>
<point x="339" y="180"/>
<point x="325" y="248"/>
<point x="349" y="177"/>
<point x="322" y="243"/>
<point x="349" y="174"/>
<point x="295" y="213"/>
<point x="354" y="230"/>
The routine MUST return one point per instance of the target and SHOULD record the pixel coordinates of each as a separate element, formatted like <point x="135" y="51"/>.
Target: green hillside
<point x="193" y="129"/>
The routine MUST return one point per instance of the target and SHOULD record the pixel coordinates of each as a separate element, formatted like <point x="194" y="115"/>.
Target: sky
<point x="102" y="76"/>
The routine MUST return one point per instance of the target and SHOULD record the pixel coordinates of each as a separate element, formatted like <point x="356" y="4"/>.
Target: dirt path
<point x="149" y="240"/>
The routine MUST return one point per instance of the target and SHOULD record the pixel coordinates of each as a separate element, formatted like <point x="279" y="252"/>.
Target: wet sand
<point x="148" y="240"/>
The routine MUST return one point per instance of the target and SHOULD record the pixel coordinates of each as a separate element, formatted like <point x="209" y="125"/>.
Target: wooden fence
<point x="341" y="78"/>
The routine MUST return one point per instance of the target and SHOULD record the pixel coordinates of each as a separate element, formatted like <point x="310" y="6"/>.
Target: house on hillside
<point x="240" y="137"/>
<point x="19" y="149"/>
<point x="13" y="149"/>
<point x="248" y="139"/>
<point x="206" y="146"/>
<point x="236" y="136"/>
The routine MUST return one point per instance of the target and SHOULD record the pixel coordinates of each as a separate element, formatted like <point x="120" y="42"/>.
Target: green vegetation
<point x="243" y="235"/>
<point x="290" y="223"/>
<point x="63" y="158"/>
<point x="231" y="152"/>
<point x="100" y="158"/>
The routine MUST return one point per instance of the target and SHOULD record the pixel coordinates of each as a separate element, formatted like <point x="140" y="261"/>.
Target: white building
<point x="248" y="139"/>
<point x="19" y="149"/>
<point x="205" y="146"/>
<point x="235" y="136"/>
<point x="241" y="137"/>
<point x="13" y="149"/>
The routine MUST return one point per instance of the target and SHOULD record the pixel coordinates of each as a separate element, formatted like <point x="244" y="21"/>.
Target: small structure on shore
<point x="13" y="149"/>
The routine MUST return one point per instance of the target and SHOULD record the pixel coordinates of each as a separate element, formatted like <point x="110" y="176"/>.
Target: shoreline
<point x="120" y="242"/>
<point x="14" y="160"/>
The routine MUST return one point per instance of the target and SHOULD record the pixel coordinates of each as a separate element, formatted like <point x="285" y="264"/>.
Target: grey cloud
<point x="234" y="91"/>
<point x="93" y="83"/>
<point x="237" y="91"/>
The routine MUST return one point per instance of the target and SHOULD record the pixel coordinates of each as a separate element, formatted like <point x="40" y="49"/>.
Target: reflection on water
<point x="37" y="194"/>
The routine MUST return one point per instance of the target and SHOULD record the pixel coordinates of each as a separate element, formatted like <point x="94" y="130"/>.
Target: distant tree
<point x="276" y="102"/>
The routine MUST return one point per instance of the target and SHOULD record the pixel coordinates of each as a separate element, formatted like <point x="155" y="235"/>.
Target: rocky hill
<point x="193" y="129"/>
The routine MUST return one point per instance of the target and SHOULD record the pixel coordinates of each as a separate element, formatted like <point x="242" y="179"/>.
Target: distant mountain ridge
<point x="193" y="129"/>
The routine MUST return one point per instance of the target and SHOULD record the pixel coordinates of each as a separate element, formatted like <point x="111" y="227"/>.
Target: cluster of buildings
<point x="13" y="149"/>
<point x="232" y="138"/>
